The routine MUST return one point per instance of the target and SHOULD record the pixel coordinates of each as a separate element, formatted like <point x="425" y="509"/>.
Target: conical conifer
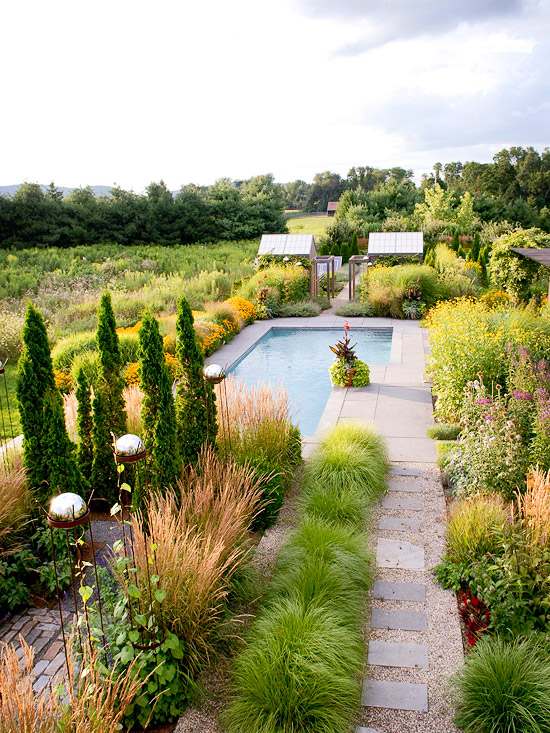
<point x="104" y="473"/>
<point x="110" y="362"/>
<point x="35" y="378"/>
<point x="195" y="399"/>
<point x="63" y="471"/>
<point x="158" y="413"/>
<point x="84" y="421"/>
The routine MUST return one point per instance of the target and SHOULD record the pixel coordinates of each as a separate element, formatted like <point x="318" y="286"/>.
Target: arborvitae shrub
<point x="158" y="412"/>
<point x="63" y="472"/>
<point x="474" y="251"/>
<point x="110" y="367"/>
<point x="194" y="400"/>
<point x="84" y="424"/>
<point x="104" y="473"/>
<point x="35" y="379"/>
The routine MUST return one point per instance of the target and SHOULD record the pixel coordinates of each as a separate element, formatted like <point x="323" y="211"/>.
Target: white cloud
<point x="135" y="90"/>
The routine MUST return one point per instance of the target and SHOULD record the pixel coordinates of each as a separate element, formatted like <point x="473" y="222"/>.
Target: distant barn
<point x="331" y="208"/>
<point x="395" y="244"/>
<point x="288" y="245"/>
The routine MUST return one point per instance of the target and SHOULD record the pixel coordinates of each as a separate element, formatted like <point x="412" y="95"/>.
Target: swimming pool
<point x="298" y="360"/>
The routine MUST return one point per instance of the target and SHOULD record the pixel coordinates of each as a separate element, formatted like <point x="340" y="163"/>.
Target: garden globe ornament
<point x="68" y="510"/>
<point x="214" y="373"/>
<point x="129" y="448"/>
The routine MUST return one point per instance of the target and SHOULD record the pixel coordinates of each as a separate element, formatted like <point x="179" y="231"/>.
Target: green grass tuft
<point x="504" y="687"/>
<point x="300" y="673"/>
<point x="443" y="431"/>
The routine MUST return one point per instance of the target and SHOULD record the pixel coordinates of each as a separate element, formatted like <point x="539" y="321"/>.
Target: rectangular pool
<point x="298" y="360"/>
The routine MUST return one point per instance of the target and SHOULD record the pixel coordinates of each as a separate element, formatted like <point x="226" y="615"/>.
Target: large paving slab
<point x="403" y="619"/>
<point x="399" y="554"/>
<point x="387" y="590"/>
<point x="361" y="729"/>
<point x="395" y="695"/>
<point x="400" y="524"/>
<point x="397" y="654"/>
<point x="401" y="501"/>
<point x="414" y="450"/>
<point x="406" y="487"/>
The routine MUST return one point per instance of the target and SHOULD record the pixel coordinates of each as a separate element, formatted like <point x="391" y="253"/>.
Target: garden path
<point x="41" y="627"/>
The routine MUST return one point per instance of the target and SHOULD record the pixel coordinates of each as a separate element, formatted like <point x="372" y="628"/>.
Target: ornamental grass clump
<point x="505" y="686"/>
<point x="201" y="539"/>
<point x="256" y="430"/>
<point x="15" y="502"/>
<point x="300" y="671"/>
<point x="475" y="528"/>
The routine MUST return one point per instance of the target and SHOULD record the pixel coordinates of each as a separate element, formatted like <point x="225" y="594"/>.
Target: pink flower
<point x="520" y="394"/>
<point x="484" y="401"/>
<point x="347" y="327"/>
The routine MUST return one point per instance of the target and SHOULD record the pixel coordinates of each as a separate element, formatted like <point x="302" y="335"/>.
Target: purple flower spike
<point x="520" y="394"/>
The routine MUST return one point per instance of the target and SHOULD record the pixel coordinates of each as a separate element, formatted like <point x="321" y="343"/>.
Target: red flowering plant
<point x="474" y="615"/>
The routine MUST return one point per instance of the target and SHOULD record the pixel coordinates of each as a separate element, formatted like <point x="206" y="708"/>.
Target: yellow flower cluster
<point x="131" y="374"/>
<point x="172" y="363"/>
<point x="244" y="307"/>
<point x="211" y="335"/>
<point x="63" y="380"/>
<point x="129" y="329"/>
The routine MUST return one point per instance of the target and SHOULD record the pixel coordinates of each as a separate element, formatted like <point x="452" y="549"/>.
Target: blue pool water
<point x="298" y="360"/>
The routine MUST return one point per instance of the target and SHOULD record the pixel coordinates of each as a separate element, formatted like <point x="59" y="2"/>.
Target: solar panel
<point x="287" y="244"/>
<point x="396" y="243"/>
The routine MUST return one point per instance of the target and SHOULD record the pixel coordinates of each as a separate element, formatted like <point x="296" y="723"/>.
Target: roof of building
<point x="287" y="244"/>
<point x="332" y="205"/>
<point x="542" y="256"/>
<point x="396" y="243"/>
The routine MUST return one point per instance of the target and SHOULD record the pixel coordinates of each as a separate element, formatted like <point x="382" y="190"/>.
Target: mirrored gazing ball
<point x="129" y="445"/>
<point x="67" y="507"/>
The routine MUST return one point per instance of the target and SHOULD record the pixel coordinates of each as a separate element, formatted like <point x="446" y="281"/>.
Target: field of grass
<point x="65" y="283"/>
<point x="308" y="225"/>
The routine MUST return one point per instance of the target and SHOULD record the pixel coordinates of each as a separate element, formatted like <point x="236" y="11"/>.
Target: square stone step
<point x="389" y="591"/>
<point x="403" y="620"/>
<point x="400" y="524"/>
<point x="404" y="471"/>
<point x="395" y="500"/>
<point x="399" y="554"/>
<point x="361" y="729"/>
<point x="397" y="654"/>
<point x="406" y="487"/>
<point x="395" y="695"/>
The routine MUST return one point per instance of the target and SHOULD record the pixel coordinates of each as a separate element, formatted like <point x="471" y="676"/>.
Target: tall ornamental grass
<point x="504" y="687"/>
<point x="15" y="504"/>
<point x="254" y="427"/>
<point x="201" y="539"/>
<point x="300" y="670"/>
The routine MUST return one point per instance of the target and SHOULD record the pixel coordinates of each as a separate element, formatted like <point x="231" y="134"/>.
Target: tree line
<point x="34" y="217"/>
<point x="515" y="187"/>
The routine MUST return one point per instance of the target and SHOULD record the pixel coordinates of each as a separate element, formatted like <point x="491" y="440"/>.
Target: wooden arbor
<point x="330" y="273"/>
<point x="354" y="264"/>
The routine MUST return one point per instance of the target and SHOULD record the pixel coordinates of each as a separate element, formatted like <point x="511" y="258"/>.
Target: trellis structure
<point x="355" y="263"/>
<point x="330" y="273"/>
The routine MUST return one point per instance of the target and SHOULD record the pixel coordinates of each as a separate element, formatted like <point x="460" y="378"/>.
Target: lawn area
<point x="308" y="225"/>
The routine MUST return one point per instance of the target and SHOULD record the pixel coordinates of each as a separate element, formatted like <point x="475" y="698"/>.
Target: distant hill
<point x="98" y="190"/>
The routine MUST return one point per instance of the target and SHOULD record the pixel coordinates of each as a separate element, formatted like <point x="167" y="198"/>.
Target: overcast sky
<point x="129" y="91"/>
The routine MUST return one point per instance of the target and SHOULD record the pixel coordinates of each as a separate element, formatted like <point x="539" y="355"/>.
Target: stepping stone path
<point x="406" y="688"/>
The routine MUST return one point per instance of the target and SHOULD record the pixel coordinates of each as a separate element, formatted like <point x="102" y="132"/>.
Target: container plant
<point x="348" y="370"/>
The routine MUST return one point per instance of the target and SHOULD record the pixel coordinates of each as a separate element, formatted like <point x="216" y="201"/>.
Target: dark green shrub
<point x="505" y="686"/>
<point x="63" y="471"/>
<point x="194" y="399"/>
<point x="34" y="380"/>
<point x="84" y="424"/>
<point x="110" y="368"/>
<point x="158" y="412"/>
<point x="104" y="472"/>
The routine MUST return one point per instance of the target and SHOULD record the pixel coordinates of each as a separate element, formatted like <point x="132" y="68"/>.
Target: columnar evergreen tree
<point x="158" y="412"/>
<point x="35" y="379"/>
<point x="474" y="251"/>
<point x="194" y="400"/>
<point x="455" y="242"/>
<point x="110" y="367"/>
<point x="354" y="245"/>
<point x="104" y="473"/>
<point x="84" y="424"/>
<point x="63" y="471"/>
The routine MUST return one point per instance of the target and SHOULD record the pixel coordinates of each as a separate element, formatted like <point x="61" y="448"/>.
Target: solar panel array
<point x="396" y="243"/>
<point x="287" y="244"/>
